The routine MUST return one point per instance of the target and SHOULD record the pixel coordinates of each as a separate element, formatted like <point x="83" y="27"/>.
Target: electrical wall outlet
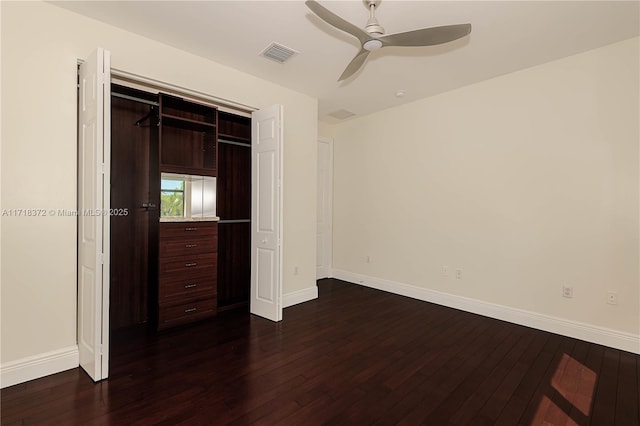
<point x="368" y="259"/>
<point x="567" y="291"/>
<point x="445" y="272"/>
<point x="458" y="273"/>
<point x="612" y="297"/>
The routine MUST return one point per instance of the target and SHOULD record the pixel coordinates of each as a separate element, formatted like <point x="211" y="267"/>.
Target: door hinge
<point x="102" y="258"/>
<point x="102" y="167"/>
<point x="100" y="349"/>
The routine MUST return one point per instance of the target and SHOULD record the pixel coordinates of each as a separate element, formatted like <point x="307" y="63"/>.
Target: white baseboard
<point x="324" y="272"/>
<point x="579" y="330"/>
<point x="34" y="367"/>
<point x="299" y="296"/>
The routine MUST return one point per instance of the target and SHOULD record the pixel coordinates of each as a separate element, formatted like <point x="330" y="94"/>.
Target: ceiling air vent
<point x="341" y="114"/>
<point x="277" y="52"/>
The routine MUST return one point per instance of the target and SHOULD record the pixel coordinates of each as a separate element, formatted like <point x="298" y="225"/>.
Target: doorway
<point x="324" y="203"/>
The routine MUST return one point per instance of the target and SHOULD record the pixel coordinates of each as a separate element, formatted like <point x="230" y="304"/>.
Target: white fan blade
<point x="333" y="19"/>
<point x="427" y="36"/>
<point x="355" y="64"/>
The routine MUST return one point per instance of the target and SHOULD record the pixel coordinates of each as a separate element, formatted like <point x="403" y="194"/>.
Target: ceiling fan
<point x="372" y="36"/>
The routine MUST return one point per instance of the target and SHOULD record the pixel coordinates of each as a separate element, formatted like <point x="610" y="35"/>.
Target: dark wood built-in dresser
<point x="187" y="289"/>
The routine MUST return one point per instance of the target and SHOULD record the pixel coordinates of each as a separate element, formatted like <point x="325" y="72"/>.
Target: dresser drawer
<point x="169" y="316"/>
<point x="187" y="229"/>
<point x="184" y="246"/>
<point x="198" y="264"/>
<point x="181" y="288"/>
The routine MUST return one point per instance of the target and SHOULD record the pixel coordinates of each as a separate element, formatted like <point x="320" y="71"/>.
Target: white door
<point x="266" y="222"/>
<point x="94" y="141"/>
<point x="325" y="186"/>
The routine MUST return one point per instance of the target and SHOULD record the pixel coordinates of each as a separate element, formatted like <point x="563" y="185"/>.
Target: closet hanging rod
<point x="221" y="221"/>
<point x="244" y="144"/>
<point x="133" y="98"/>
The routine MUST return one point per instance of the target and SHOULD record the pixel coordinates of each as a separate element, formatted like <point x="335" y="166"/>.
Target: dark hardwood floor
<point x="354" y="356"/>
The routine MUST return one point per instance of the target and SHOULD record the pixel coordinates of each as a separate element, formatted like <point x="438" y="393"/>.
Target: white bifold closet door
<point x="266" y="219"/>
<point x="94" y="151"/>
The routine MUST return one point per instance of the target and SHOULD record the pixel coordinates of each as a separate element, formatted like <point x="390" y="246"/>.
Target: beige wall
<point x="325" y="129"/>
<point x="41" y="44"/>
<point x="526" y="182"/>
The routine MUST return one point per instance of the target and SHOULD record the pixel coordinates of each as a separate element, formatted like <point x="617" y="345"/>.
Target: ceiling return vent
<point x="277" y="52"/>
<point x="341" y="114"/>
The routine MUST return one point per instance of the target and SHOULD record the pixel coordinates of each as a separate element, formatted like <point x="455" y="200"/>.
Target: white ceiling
<point x="506" y="36"/>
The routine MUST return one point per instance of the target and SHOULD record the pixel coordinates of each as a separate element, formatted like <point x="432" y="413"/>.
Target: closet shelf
<point x="187" y="123"/>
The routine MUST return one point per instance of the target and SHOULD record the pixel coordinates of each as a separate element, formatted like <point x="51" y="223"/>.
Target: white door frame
<point x="324" y="271"/>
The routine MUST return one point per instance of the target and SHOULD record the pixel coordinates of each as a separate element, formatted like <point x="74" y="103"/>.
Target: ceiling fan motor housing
<point x="373" y="27"/>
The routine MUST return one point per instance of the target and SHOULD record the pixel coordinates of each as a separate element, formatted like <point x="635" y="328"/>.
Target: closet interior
<point x="182" y="171"/>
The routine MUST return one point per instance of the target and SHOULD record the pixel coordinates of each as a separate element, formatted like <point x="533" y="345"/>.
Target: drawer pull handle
<point x="186" y="311"/>
<point x="190" y="229"/>
<point x="191" y="285"/>
<point x="190" y="245"/>
<point x="189" y="265"/>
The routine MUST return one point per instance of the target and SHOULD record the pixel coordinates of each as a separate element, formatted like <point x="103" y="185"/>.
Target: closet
<point x="177" y="264"/>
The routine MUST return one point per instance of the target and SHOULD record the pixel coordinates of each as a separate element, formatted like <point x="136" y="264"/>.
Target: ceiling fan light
<point x="372" y="44"/>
